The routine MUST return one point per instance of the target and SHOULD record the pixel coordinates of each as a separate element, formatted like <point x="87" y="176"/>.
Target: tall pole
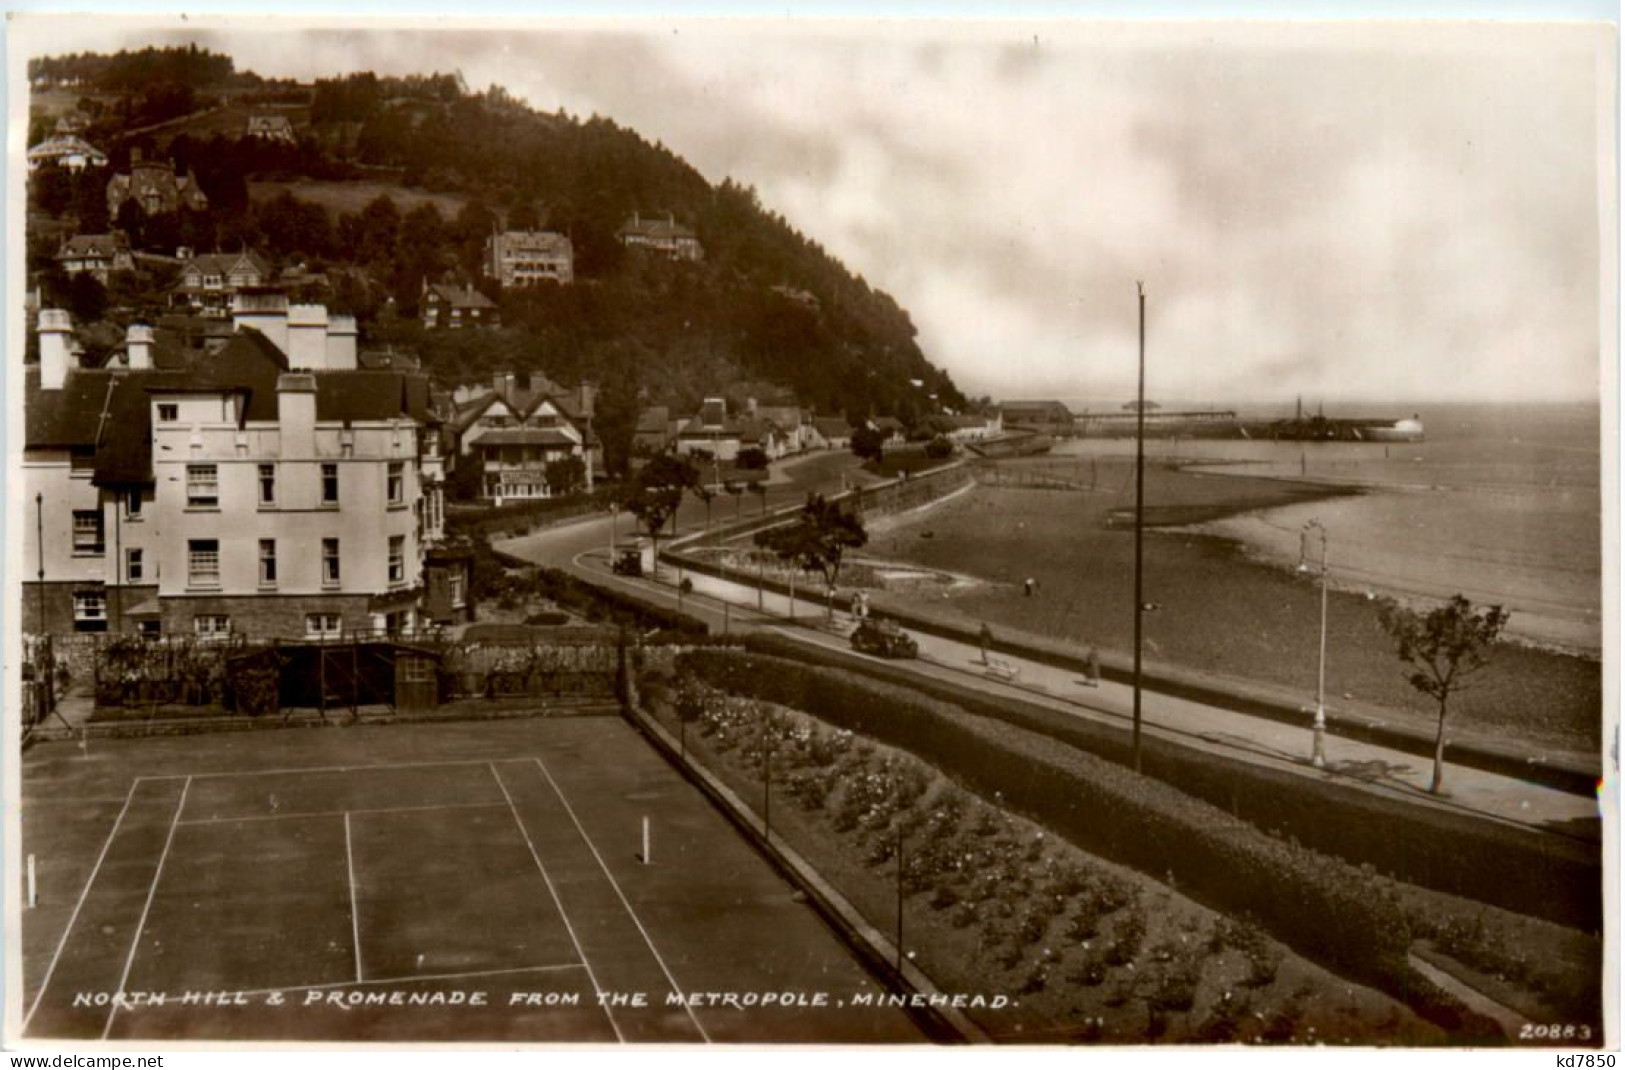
<point x="39" y="545"/>
<point x="116" y="611"/>
<point x="1318" y="755"/>
<point x="1139" y="528"/>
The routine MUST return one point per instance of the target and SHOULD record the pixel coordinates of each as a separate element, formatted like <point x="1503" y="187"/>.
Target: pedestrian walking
<point x="1028" y="586"/>
<point x="987" y="641"/>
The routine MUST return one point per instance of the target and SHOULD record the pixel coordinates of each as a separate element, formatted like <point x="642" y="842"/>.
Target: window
<point x="330" y="562"/>
<point x="267" y="562"/>
<point x="203" y="562"/>
<point x="87" y="531"/>
<point x="132" y="566"/>
<point x="211" y="625"/>
<point x="330" y="484"/>
<point x="397" y="559"/>
<point x="397" y="483"/>
<point x="322" y="625"/>
<point x="89" y="611"/>
<point x="202" y="486"/>
<point x="168" y="412"/>
<point x="267" y="484"/>
<point x="455" y="583"/>
<point x="132" y="505"/>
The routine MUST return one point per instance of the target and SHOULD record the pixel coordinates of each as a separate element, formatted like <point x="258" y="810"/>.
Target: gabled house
<point x="211" y="281"/>
<point x="1048" y="417"/>
<point x="155" y="188"/>
<point x="893" y="430"/>
<point x="830" y="432"/>
<point x="654" y="432"/>
<point x="444" y="305"/>
<point x="520" y="258"/>
<point x="710" y="434"/>
<point x="67" y="151"/>
<point x="271" y="128"/>
<point x="523" y="424"/>
<point x="665" y="236"/>
<point x="97" y="255"/>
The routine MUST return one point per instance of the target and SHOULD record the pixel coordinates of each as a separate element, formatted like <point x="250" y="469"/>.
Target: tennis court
<point x="495" y="898"/>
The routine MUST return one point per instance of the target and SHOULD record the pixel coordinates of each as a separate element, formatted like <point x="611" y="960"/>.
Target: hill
<point x="396" y="182"/>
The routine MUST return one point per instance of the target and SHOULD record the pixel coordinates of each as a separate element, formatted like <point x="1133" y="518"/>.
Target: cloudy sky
<point x="1384" y="212"/>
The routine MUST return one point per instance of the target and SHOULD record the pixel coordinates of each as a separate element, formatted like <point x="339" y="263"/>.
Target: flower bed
<point x="995" y="904"/>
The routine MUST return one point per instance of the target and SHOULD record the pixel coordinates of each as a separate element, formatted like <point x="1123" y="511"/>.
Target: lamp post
<point x="1312" y="528"/>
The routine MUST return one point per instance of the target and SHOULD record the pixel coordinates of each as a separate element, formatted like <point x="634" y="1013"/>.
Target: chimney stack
<point x="296" y="415"/>
<point x="138" y="347"/>
<point x="55" y="344"/>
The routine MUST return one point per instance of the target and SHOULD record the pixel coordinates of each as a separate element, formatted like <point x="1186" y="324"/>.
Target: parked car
<point x="884" y="639"/>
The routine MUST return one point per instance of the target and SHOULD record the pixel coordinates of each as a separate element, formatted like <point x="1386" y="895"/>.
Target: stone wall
<point x="266" y="616"/>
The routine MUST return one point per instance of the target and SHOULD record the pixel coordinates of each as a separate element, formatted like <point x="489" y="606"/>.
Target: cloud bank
<point x="1374" y="211"/>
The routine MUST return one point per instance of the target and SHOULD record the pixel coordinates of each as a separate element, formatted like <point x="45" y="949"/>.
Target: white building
<point x="266" y="489"/>
<point x="520" y="258"/>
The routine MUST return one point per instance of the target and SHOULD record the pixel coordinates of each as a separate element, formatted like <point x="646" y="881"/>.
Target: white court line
<point x="135" y="944"/>
<point x="335" y="813"/>
<point x="84" y="894"/>
<point x="470" y="975"/>
<point x="320" y="769"/>
<point x="355" y="914"/>
<point x="630" y="912"/>
<point x="557" y="902"/>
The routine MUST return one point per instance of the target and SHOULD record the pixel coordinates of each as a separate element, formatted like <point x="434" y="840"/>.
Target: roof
<point x="228" y="263"/>
<point x="524" y="401"/>
<point x="109" y="411"/>
<point x="1045" y="408"/>
<point x="535" y="241"/>
<point x="664" y="229"/>
<point x="99" y="245"/>
<point x="655" y="420"/>
<point x="388" y="360"/>
<point x="887" y="423"/>
<point x="832" y="426"/>
<point x="66" y="145"/>
<point x="524" y="436"/>
<point x="460" y="296"/>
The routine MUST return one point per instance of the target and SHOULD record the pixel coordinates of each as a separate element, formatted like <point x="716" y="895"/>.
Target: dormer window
<point x="168" y="412"/>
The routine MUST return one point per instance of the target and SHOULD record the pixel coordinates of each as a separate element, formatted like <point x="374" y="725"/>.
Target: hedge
<point x="1518" y="869"/>
<point x="1325" y="909"/>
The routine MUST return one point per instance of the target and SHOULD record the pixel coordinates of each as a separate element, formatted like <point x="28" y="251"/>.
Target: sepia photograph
<point x="863" y="532"/>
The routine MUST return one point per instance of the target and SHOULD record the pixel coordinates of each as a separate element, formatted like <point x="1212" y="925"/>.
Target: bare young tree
<point x="1441" y="649"/>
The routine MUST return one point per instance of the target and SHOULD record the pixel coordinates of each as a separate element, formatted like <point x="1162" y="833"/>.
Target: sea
<point x="1501" y="503"/>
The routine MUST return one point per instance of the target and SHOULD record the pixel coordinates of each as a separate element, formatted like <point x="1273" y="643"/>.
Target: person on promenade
<point x="1028" y="586"/>
<point x="1091" y="668"/>
<point x="987" y="641"/>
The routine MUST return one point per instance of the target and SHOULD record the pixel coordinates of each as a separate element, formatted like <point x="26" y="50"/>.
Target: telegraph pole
<point x="1139" y="528"/>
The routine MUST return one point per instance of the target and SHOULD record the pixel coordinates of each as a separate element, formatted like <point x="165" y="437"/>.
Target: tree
<point x="657" y="492"/>
<point x="566" y="475"/>
<point x="817" y="541"/>
<point x="939" y="448"/>
<point x="751" y="459"/>
<point x="87" y="298"/>
<point x="869" y="443"/>
<point x="1441" y="649"/>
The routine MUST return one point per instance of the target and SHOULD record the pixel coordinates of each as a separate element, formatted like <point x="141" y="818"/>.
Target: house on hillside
<point x="71" y="124"/>
<point x="267" y="489"/>
<point x="210" y="282"/>
<point x="971" y="427"/>
<point x="1046" y="417"/>
<point x="97" y="255"/>
<point x="830" y="432"/>
<point x="67" y="151"/>
<point x="665" y="236"/>
<point x="515" y="430"/>
<point x="272" y="128"/>
<point x="447" y="306"/>
<point x="654" y="432"/>
<point x="710" y="434"/>
<point x="518" y="258"/>
<point x="895" y="434"/>
<point x="155" y="188"/>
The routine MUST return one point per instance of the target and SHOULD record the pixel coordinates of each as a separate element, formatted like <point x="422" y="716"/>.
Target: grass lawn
<point x="326" y="866"/>
<point x="1215" y="611"/>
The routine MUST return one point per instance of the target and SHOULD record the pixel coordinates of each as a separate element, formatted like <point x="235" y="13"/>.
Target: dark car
<point x="884" y="639"/>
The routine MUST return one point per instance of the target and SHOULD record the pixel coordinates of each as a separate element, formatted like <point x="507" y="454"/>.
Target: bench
<point x="1002" y="670"/>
